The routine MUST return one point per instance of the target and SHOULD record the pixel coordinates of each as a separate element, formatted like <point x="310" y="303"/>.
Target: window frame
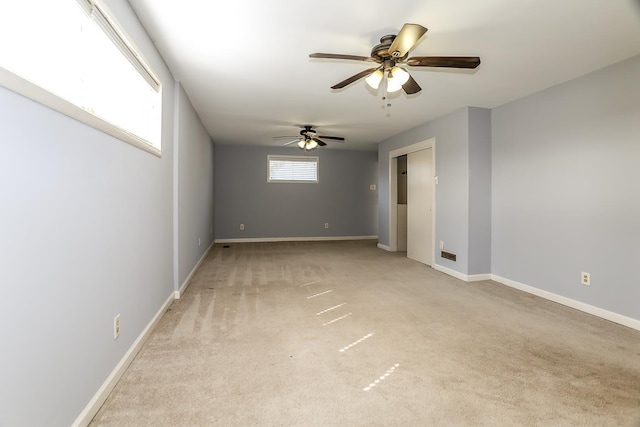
<point x="306" y="159"/>
<point x="33" y="91"/>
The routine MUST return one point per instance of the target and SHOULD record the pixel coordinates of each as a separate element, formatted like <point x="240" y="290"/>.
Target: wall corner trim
<point x="578" y="305"/>
<point x="478" y="277"/>
<point x="462" y="276"/>
<point x="385" y="247"/>
<point x="186" y="282"/>
<point x="107" y="387"/>
<point x="451" y="272"/>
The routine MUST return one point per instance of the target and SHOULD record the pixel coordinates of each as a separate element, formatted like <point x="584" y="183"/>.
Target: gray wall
<point x="194" y="174"/>
<point x="566" y="189"/>
<point x="342" y="197"/>
<point x="87" y="232"/>
<point x="463" y="192"/>
<point x="452" y="192"/>
<point x="479" y="191"/>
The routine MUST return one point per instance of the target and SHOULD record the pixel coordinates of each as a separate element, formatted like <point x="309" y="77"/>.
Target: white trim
<point x="590" y="309"/>
<point x="385" y="247"/>
<point x="451" y="272"/>
<point x="293" y="239"/>
<point x="462" y="276"/>
<point x="103" y="392"/>
<point x="393" y="192"/>
<point x="186" y="282"/>
<point x="478" y="277"/>
<point x="34" y="92"/>
<point x="175" y="188"/>
<point x="578" y="305"/>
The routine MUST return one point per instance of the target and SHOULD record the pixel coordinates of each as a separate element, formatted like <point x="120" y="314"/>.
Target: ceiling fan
<point x="392" y="52"/>
<point x="309" y="138"/>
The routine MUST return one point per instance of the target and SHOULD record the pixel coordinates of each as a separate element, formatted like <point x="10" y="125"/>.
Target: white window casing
<point x="78" y="61"/>
<point x="292" y="169"/>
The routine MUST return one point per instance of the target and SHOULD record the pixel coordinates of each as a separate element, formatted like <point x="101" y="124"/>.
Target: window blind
<point x="292" y="169"/>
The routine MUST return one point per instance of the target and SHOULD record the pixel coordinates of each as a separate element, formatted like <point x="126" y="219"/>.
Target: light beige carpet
<point x="346" y="334"/>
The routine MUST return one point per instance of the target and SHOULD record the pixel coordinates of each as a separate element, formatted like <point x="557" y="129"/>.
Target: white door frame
<point x="393" y="192"/>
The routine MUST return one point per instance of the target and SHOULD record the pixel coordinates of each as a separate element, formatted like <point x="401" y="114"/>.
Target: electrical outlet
<point x="586" y="278"/>
<point x="116" y="327"/>
<point x="372" y="187"/>
<point x="241" y="226"/>
<point x="326" y="225"/>
<point x="441" y="245"/>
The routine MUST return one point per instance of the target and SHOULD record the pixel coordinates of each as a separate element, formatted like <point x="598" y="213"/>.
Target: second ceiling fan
<point x="309" y="138"/>
<point x="392" y="52"/>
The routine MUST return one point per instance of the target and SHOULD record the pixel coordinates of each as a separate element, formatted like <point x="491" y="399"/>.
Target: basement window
<point x="72" y="56"/>
<point x="292" y="169"/>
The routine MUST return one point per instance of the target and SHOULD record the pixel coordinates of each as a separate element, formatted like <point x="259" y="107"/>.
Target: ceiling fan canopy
<point x="309" y="138"/>
<point x="392" y="52"/>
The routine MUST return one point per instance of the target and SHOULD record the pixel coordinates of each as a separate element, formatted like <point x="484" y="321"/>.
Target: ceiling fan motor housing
<point x="382" y="54"/>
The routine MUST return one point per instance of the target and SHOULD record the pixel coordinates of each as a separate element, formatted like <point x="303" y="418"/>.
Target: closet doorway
<point x="412" y="201"/>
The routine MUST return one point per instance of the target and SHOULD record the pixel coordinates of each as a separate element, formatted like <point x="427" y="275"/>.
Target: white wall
<point x="566" y="189"/>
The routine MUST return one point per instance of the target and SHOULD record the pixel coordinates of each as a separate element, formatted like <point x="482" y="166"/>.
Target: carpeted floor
<point x="343" y="333"/>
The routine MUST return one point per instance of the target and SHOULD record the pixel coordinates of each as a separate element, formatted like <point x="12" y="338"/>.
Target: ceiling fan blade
<point x="340" y="56"/>
<point x="406" y="38"/>
<point x="353" y="78"/>
<point x="444" y="61"/>
<point x="337" y="138"/>
<point x="411" y="87"/>
<point x="291" y="142"/>
<point x="284" y="137"/>
<point x="320" y="143"/>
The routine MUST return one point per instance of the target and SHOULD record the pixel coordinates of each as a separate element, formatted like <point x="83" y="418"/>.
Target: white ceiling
<point x="245" y="63"/>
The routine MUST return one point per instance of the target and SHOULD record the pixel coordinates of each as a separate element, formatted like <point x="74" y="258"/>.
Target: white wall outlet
<point x="326" y="225"/>
<point x="586" y="278"/>
<point x="441" y="244"/>
<point x="241" y="226"/>
<point x="372" y="187"/>
<point x="116" y="327"/>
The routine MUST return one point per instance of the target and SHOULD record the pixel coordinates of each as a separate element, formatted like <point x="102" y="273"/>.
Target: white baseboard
<point x="590" y="309"/>
<point x="578" y="305"/>
<point x="103" y="392"/>
<point x="183" y="287"/>
<point x="385" y="247"/>
<point x="451" y="272"/>
<point x="462" y="276"/>
<point x="478" y="277"/>
<point x="293" y="239"/>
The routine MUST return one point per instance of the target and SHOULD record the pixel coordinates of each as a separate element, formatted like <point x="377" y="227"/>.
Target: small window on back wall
<point x="292" y="169"/>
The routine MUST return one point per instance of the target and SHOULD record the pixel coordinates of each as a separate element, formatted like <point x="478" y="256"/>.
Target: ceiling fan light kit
<point x="393" y="50"/>
<point x="374" y="79"/>
<point x="396" y="79"/>
<point x="307" y="144"/>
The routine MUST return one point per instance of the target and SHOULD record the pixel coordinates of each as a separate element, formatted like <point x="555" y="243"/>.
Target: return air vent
<point x="448" y="255"/>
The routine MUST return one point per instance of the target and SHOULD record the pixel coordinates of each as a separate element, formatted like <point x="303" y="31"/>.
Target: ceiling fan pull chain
<point x="385" y="99"/>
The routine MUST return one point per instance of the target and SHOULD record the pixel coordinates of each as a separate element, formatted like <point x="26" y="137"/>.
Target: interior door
<point x="420" y="206"/>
